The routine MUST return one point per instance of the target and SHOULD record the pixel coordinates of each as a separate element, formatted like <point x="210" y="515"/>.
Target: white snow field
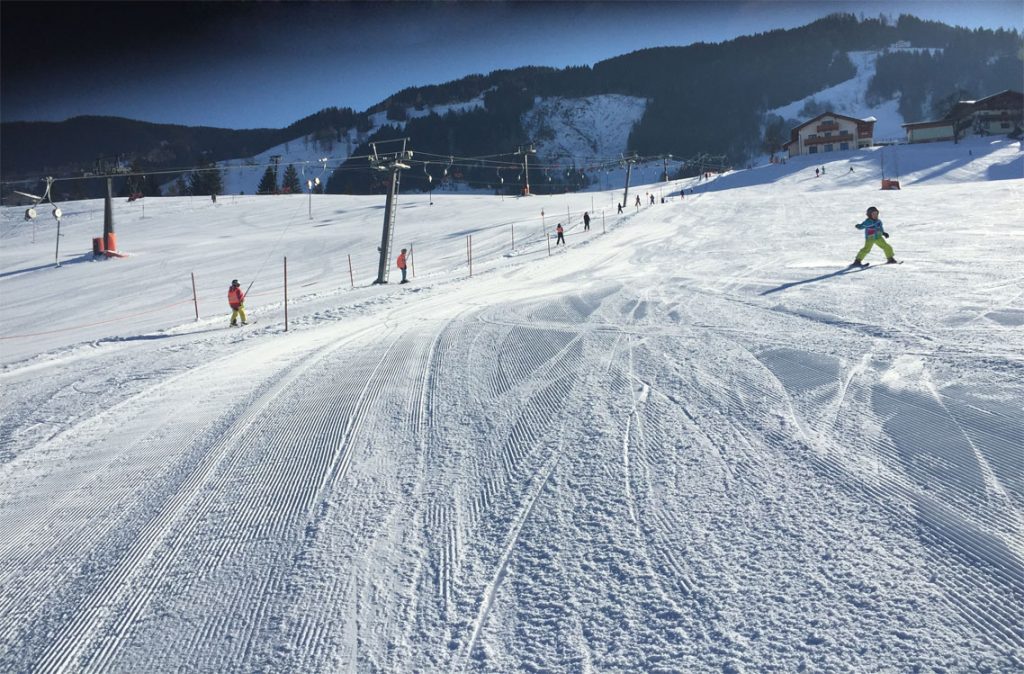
<point x="687" y="441"/>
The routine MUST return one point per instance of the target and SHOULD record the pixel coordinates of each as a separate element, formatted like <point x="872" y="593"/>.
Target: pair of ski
<point x="865" y="265"/>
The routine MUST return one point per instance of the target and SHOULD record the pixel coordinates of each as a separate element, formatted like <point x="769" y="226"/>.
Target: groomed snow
<point x="686" y="441"/>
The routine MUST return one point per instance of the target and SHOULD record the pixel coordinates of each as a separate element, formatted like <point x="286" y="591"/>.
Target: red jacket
<point x="401" y="260"/>
<point x="235" y="297"/>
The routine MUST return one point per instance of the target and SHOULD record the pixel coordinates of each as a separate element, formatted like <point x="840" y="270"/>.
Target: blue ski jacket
<point x="872" y="229"/>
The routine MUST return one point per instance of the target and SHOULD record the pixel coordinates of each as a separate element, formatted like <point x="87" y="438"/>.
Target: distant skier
<point x="874" y="233"/>
<point x="620" y="209"/>
<point x="652" y="200"/>
<point x="236" y="300"/>
<point x="561" y="235"/>
<point x="586" y="221"/>
<point x="817" y="172"/>
<point x="637" y="201"/>
<point x="402" y="264"/>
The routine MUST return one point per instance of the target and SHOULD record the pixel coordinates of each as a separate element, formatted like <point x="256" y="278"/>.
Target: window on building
<point x="812" y="150"/>
<point x="844" y="146"/>
<point x="828" y="148"/>
<point x="1005" y="125"/>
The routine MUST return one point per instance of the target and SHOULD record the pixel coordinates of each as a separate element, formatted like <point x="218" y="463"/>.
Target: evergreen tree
<point x="268" y="183"/>
<point x="290" y="181"/>
<point x="206" y="180"/>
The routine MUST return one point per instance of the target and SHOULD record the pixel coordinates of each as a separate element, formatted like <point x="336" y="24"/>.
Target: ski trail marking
<point x="499" y="575"/>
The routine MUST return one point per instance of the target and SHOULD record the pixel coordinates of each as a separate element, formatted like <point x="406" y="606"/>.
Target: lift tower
<point x="525" y="152"/>
<point x="628" y="161"/>
<point x="393" y="163"/>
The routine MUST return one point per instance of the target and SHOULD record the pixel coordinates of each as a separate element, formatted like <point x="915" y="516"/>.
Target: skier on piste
<point x="874" y="233"/>
<point x="236" y="300"/>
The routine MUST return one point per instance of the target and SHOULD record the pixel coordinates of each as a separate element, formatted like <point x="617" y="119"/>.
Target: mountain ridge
<point x="701" y="98"/>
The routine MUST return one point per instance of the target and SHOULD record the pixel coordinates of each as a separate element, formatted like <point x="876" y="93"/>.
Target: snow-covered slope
<point x="579" y="132"/>
<point x="848" y="98"/>
<point x="583" y="131"/>
<point x="689" y="440"/>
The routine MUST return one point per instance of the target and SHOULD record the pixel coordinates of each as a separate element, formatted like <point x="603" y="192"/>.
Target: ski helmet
<point x="871" y="210"/>
<point x="235" y="282"/>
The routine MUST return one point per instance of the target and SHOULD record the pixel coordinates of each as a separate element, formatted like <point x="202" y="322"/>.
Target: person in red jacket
<point x="236" y="300"/>
<point x="402" y="264"/>
<point x="561" y="235"/>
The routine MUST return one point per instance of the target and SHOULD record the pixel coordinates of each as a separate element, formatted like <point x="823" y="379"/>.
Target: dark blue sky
<point x="267" y="64"/>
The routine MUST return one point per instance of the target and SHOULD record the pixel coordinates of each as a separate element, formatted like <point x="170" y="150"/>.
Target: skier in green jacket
<point x="874" y="233"/>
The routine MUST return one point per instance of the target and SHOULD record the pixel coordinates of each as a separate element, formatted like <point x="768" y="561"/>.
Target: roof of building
<point x="929" y="123"/>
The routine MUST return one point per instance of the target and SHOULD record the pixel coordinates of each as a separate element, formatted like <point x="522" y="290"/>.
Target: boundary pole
<point x="412" y="261"/>
<point x="286" y="293"/>
<point x="351" y="278"/>
<point x="195" y="298"/>
<point x="548" y="235"/>
<point x="56" y="254"/>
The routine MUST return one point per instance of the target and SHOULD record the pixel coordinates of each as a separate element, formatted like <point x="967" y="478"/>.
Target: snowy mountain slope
<point x="583" y="131"/>
<point x="570" y="131"/>
<point x="242" y="176"/>
<point x="689" y="441"/>
<point x="848" y="98"/>
<point x="567" y="130"/>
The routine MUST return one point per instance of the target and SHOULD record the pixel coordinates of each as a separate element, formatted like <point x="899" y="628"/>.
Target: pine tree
<point x="207" y="180"/>
<point x="268" y="183"/>
<point x="290" y="181"/>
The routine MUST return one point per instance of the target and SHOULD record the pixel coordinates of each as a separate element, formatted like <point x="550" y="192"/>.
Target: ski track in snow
<point x="627" y="456"/>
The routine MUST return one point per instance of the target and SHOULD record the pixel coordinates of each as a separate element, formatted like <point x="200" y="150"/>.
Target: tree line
<point x="703" y="97"/>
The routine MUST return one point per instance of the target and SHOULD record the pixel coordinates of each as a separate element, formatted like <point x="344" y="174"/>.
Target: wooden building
<point x="830" y="132"/>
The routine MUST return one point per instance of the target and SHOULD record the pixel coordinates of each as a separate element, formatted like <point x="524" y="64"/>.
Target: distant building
<point x="998" y="114"/>
<point x="830" y="132"/>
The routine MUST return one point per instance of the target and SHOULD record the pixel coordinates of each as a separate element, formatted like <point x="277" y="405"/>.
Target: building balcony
<point x="823" y="140"/>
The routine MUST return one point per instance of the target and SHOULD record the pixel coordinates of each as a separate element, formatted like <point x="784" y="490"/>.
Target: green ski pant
<point x="886" y="248"/>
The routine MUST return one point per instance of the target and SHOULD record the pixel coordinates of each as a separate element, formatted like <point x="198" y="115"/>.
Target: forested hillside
<point x="706" y="98"/>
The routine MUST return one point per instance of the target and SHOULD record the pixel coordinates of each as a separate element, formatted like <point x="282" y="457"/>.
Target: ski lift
<point x="31" y="213"/>
<point x="314" y="182"/>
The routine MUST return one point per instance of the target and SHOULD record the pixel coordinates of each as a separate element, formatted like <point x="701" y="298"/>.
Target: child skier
<point x="403" y="265"/>
<point x="874" y="233"/>
<point x="236" y="300"/>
